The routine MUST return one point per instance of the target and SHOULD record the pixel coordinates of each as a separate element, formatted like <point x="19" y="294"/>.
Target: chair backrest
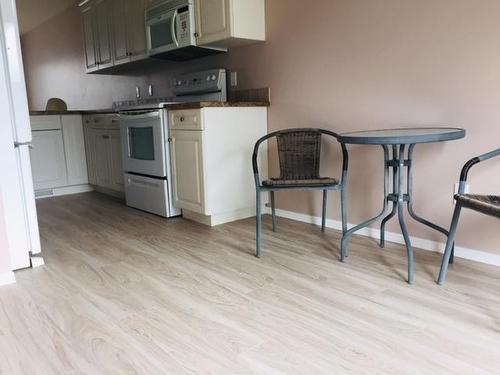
<point x="299" y="153"/>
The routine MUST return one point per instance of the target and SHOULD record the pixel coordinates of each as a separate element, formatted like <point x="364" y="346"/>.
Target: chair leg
<point x="343" y="209"/>
<point x="258" y="221"/>
<point x="323" y="216"/>
<point x="452" y="256"/>
<point x="449" y="244"/>
<point x="273" y="210"/>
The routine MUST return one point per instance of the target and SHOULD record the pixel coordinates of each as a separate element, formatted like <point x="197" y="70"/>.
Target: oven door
<point x="161" y="32"/>
<point x="143" y="143"/>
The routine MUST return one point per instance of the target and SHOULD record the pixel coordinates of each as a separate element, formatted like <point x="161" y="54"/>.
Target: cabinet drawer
<point x="108" y="121"/>
<point x="47" y="122"/>
<point x="190" y="119"/>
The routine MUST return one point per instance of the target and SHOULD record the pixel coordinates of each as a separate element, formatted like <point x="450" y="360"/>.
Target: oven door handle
<point x="138" y="115"/>
<point x="173" y="28"/>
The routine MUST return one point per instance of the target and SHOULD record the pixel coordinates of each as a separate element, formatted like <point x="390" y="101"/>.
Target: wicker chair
<point x="299" y="161"/>
<point x="485" y="204"/>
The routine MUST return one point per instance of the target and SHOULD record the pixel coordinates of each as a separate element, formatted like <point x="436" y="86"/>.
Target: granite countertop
<point x="72" y="112"/>
<point x="193" y="105"/>
<point x="197" y="105"/>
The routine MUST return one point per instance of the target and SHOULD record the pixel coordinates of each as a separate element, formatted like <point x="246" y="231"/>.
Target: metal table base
<point x="398" y="198"/>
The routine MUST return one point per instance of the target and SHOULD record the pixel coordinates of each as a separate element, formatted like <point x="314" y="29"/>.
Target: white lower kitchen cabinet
<point x="211" y="155"/>
<point x="58" y="155"/>
<point x="47" y="160"/>
<point x="104" y="155"/>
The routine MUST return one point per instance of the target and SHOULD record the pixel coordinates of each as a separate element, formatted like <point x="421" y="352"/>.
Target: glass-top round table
<point x="396" y="143"/>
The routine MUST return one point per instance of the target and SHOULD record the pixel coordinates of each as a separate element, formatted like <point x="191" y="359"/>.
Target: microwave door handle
<point x="173" y="28"/>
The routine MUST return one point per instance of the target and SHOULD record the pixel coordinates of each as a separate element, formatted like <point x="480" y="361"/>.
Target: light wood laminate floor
<point x="124" y="292"/>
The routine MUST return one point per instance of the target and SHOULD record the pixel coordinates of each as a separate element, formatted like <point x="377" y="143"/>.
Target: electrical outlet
<point x="234" y="79"/>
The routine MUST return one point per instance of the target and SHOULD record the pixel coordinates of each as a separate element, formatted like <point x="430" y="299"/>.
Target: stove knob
<point x="208" y="78"/>
<point x="213" y="77"/>
<point x="179" y="83"/>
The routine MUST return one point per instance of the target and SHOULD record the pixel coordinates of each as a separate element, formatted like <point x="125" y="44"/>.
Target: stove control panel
<point x="205" y="81"/>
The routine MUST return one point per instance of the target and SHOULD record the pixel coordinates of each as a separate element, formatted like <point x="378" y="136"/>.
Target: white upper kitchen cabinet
<point x="89" y="42"/>
<point x="230" y="23"/>
<point x="103" y="12"/>
<point x="129" y="35"/>
<point x="114" y="32"/>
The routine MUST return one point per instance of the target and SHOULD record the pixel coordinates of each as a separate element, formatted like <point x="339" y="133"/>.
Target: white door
<point x="187" y="170"/>
<point x="22" y="221"/>
<point x="47" y="160"/>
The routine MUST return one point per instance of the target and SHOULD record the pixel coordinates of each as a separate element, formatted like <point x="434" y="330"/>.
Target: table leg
<point x="410" y="203"/>
<point x="394" y="190"/>
<point x="344" y="251"/>
<point x="404" y="230"/>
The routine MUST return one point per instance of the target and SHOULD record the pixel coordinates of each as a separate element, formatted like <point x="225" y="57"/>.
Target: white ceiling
<point x="32" y="13"/>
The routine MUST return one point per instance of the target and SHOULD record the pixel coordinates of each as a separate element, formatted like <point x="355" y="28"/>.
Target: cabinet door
<point x="102" y="168"/>
<point x="187" y="170"/>
<point x="47" y="160"/>
<point x="115" y="161"/>
<point x="136" y="29"/>
<point x="120" y="31"/>
<point x="103" y="21"/>
<point x="74" y="149"/>
<point x="213" y="20"/>
<point x="89" y="38"/>
<point x="90" y="150"/>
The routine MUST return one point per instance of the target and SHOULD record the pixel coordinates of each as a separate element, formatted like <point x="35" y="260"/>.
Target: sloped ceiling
<point x="32" y="13"/>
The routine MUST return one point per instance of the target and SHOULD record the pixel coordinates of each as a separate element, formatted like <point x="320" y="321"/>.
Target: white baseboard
<point x="421" y="243"/>
<point x="7" y="278"/>
<point x="65" y="190"/>
<point x="219" y="219"/>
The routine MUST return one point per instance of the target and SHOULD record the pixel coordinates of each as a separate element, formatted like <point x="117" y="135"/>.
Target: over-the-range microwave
<point x="171" y="31"/>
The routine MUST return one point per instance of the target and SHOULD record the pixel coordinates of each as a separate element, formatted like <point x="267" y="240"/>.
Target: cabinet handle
<point x="169" y="139"/>
<point x="105" y="136"/>
<point x="182" y="119"/>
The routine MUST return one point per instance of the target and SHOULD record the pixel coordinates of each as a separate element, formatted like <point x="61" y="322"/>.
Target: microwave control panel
<point x="183" y="29"/>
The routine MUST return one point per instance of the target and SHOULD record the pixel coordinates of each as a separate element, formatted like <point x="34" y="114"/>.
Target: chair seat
<point x="316" y="182"/>
<point x="487" y="204"/>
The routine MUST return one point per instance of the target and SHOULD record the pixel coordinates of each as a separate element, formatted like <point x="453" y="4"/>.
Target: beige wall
<point x="4" y="243"/>
<point x="342" y="65"/>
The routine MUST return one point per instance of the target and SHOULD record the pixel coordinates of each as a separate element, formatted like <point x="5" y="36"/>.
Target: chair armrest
<point x="467" y="166"/>
<point x="256" y="153"/>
